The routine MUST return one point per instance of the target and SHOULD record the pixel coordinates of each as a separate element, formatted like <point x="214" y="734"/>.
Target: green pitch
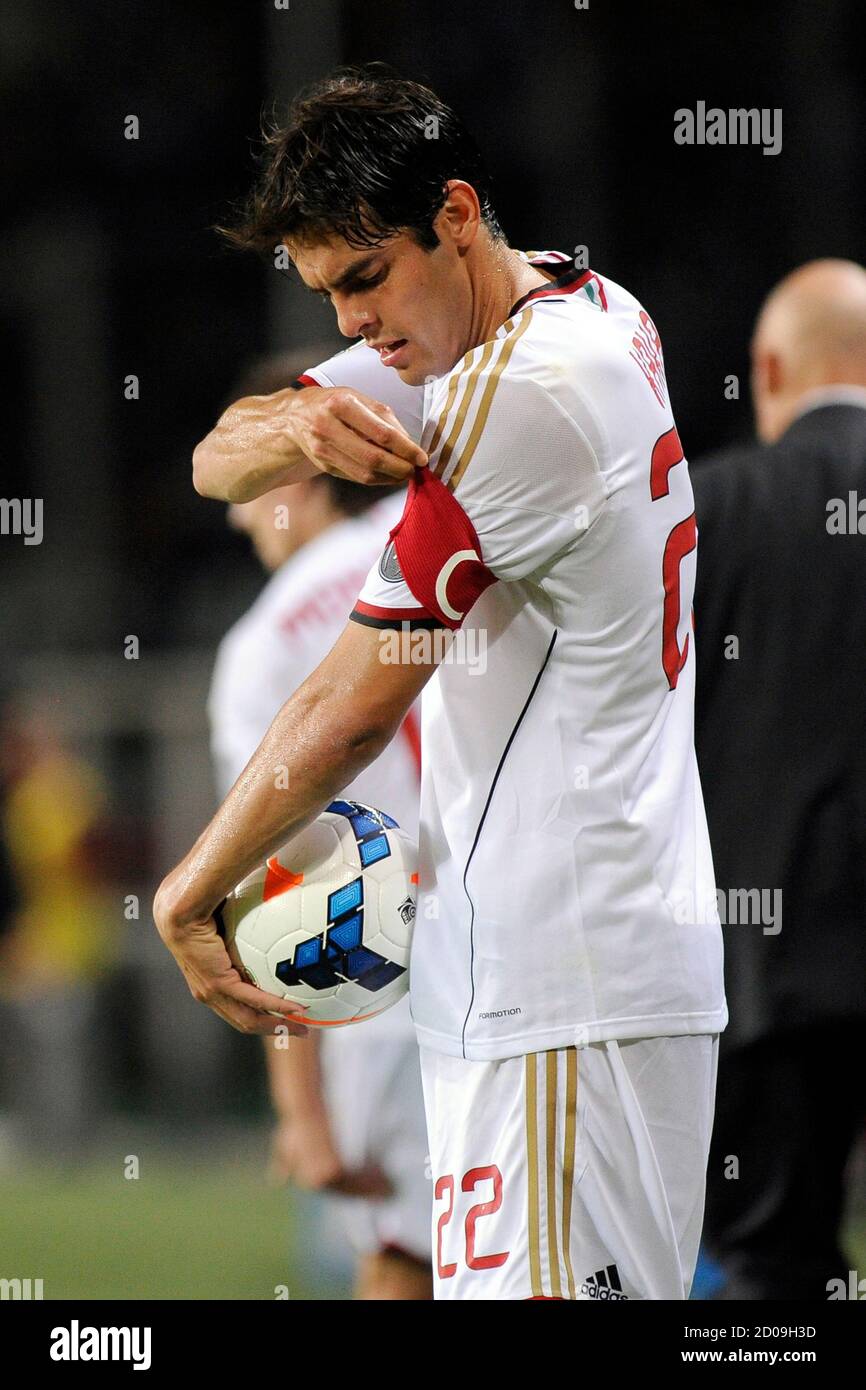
<point x="180" y="1230"/>
<point x="188" y="1227"/>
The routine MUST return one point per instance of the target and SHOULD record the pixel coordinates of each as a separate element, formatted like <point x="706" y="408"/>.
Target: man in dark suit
<point x="780" y="615"/>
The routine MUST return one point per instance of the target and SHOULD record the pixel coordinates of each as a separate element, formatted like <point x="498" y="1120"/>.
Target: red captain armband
<point x="434" y="549"/>
<point x="439" y="552"/>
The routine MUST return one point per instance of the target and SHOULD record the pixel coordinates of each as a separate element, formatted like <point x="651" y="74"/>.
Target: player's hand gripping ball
<point x="328" y="920"/>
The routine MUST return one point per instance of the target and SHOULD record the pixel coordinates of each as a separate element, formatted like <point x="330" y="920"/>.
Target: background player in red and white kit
<point x="566" y="969"/>
<point x="348" y="1101"/>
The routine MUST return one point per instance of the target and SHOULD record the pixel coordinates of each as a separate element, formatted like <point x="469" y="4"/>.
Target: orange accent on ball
<point x="279" y="879"/>
<point x="333" y="1022"/>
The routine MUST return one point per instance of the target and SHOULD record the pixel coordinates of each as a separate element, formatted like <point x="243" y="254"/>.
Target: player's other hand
<point x="344" y="432"/>
<point x="303" y="1152"/>
<point x="201" y="954"/>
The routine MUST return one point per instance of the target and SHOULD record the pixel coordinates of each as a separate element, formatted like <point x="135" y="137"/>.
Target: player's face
<point x="412" y="305"/>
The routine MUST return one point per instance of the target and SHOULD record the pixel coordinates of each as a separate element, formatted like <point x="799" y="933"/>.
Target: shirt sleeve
<point x="361" y="368"/>
<point x="386" y="598"/>
<point x="505" y="507"/>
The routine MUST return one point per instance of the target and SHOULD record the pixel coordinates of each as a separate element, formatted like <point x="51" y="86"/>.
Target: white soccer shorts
<point x="572" y="1174"/>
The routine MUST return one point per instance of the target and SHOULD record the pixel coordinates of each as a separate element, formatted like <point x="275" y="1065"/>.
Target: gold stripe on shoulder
<point x="431" y="448"/>
<point x="471" y="381"/>
<point x="458" y="372"/>
<point x="515" y="331"/>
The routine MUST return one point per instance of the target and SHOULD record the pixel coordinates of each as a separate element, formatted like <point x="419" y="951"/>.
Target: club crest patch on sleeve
<point x="389" y="565"/>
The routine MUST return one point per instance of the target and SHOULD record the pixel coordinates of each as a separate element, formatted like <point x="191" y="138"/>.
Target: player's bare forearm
<point x="340" y="719"/>
<point x="264" y="442"/>
<point x="251" y="450"/>
<point x="304" y="760"/>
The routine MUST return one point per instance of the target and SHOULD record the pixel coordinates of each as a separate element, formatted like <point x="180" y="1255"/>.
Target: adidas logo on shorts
<point x="604" y="1284"/>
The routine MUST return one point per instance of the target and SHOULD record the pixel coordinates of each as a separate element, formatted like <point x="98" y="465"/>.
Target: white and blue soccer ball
<point x="327" y="920"/>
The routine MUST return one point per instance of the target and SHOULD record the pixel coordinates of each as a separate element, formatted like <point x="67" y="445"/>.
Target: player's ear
<point x="460" y="217"/>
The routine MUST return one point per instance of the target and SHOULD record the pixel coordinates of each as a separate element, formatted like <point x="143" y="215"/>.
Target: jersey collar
<point x="570" y="279"/>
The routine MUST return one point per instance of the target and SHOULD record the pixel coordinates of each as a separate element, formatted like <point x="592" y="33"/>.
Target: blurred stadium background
<point x="111" y="272"/>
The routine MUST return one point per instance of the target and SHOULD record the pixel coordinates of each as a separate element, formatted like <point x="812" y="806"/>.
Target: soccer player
<point x="566" y="981"/>
<point x="348" y="1101"/>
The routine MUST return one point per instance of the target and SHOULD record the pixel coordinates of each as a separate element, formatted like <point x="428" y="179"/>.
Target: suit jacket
<point x="781" y="717"/>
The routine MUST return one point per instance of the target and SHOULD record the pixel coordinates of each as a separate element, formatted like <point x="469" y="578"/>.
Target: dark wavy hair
<point x="364" y="154"/>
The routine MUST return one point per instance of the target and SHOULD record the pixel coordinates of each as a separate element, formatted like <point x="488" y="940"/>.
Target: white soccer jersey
<point x="272" y="649"/>
<point x="361" y="368"/>
<point x="566" y="882"/>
